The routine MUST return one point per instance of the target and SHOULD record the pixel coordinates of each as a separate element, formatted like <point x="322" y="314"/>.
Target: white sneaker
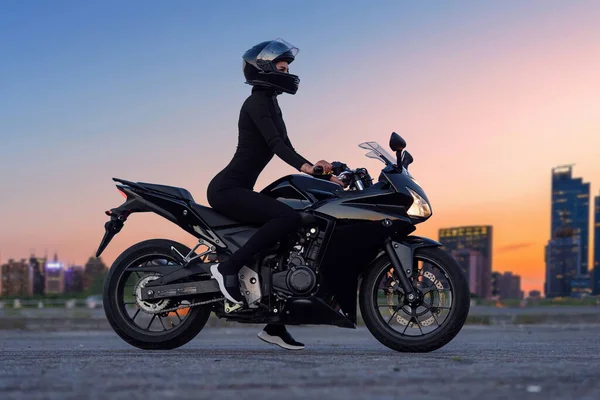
<point x="214" y="270"/>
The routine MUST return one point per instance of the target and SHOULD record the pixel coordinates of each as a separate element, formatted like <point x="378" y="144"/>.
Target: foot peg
<point x="231" y="307"/>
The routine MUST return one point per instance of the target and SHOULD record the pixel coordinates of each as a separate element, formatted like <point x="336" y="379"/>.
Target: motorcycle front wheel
<point x="427" y="325"/>
<point x="143" y="324"/>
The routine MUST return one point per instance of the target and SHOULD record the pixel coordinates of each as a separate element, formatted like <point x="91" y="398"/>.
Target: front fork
<point x="401" y="258"/>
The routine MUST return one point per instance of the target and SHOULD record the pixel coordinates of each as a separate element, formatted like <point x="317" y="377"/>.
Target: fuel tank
<point x="377" y="202"/>
<point x="302" y="191"/>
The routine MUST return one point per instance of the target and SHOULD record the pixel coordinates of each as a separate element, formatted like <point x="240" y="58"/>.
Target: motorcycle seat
<point x="213" y="218"/>
<point x="180" y="193"/>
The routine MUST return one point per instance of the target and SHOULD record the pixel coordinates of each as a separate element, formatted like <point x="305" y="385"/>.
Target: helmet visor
<point x="278" y="48"/>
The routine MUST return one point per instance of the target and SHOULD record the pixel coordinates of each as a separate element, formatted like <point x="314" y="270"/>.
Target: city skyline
<point x="19" y="277"/>
<point x="488" y="96"/>
<point x="37" y="276"/>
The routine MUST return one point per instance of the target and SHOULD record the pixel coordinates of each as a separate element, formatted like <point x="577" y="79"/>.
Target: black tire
<point x="436" y="339"/>
<point x="191" y="325"/>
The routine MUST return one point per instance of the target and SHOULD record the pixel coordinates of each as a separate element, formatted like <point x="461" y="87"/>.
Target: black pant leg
<point x="244" y="205"/>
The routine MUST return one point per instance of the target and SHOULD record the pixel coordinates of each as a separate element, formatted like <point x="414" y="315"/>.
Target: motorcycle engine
<point x="299" y="279"/>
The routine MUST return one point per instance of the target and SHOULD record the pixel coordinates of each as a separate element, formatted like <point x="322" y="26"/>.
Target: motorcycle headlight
<point x="420" y="207"/>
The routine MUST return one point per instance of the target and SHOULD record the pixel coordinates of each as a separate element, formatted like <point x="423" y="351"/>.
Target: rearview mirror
<point x="407" y="159"/>
<point x="397" y="143"/>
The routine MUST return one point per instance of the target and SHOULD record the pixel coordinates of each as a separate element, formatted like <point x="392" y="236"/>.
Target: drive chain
<point x="200" y="303"/>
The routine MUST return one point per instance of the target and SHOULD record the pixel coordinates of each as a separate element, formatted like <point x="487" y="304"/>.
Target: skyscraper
<point x="471" y="263"/>
<point x="16" y="278"/>
<point x="596" y="272"/>
<point x="571" y="196"/>
<point x="563" y="257"/>
<point x="477" y="238"/>
<point x="55" y="278"/>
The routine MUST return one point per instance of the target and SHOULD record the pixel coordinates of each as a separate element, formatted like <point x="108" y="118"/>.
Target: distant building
<point x="472" y="265"/>
<point x="477" y="238"/>
<point x="596" y="271"/>
<point x="563" y="258"/>
<point x="496" y="284"/>
<point x="535" y="294"/>
<point x="94" y="268"/>
<point x="39" y="279"/>
<point x="55" y="277"/>
<point x="509" y="286"/>
<point x="571" y="202"/>
<point x="581" y="287"/>
<point x="74" y="279"/>
<point x="16" y="279"/>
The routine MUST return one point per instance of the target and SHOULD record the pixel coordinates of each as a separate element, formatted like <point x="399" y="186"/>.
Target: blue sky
<point x="79" y="73"/>
<point x="88" y="82"/>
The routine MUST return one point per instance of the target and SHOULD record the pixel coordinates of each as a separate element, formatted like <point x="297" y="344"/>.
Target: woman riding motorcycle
<point x="262" y="134"/>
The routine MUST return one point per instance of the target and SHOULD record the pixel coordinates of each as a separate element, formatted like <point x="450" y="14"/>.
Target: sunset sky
<point x="488" y="95"/>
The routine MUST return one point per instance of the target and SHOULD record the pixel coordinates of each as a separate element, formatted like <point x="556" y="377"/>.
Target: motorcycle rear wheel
<point x="117" y="297"/>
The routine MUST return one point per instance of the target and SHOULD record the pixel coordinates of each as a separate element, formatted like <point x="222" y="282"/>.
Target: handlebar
<point x="345" y="174"/>
<point x="337" y="169"/>
<point x="358" y="177"/>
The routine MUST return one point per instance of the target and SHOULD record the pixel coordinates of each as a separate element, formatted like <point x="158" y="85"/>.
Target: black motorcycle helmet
<point x="259" y="66"/>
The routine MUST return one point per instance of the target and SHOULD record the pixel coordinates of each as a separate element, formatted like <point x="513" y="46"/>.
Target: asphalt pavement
<point x="528" y="362"/>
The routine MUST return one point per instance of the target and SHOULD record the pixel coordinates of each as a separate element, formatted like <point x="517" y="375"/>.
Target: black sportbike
<point x="353" y="243"/>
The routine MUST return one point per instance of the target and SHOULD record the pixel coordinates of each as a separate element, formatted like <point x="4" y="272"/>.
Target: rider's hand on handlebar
<point x="324" y="168"/>
<point x="327" y="167"/>
<point x="320" y="166"/>
<point x="337" y="180"/>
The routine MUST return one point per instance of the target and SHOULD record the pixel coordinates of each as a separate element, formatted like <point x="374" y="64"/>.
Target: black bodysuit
<point x="262" y="134"/>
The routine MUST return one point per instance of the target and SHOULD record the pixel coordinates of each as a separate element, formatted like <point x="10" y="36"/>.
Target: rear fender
<point x="140" y="200"/>
<point x="119" y="215"/>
